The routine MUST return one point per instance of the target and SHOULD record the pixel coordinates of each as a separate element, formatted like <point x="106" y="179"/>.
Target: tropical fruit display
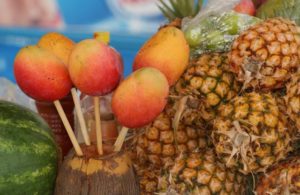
<point x="232" y="114"/>
<point x="29" y="154"/>
<point x="95" y="68"/>
<point x="211" y="107"/>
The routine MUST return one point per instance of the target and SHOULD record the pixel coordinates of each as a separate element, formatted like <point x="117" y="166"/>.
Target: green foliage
<point x="28" y="152"/>
<point x="179" y="8"/>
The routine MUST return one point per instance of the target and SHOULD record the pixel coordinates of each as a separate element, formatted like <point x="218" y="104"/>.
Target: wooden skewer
<point x="98" y="124"/>
<point x="68" y="127"/>
<point x="120" y="140"/>
<point x="80" y="117"/>
<point x="103" y="37"/>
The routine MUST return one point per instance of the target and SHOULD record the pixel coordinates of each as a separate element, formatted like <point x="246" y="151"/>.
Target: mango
<point x="140" y="98"/>
<point x="168" y="51"/>
<point x="95" y="68"/>
<point x="41" y="75"/>
<point x="58" y="44"/>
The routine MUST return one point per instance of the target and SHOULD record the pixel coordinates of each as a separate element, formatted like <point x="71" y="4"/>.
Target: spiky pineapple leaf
<point x="166" y="10"/>
<point x="176" y="9"/>
<point x="173" y="9"/>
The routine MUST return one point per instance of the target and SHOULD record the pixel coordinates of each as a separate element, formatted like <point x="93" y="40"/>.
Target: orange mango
<point x="167" y="51"/>
<point x="95" y="68"/>
<point x="140" y="98"/>
<point x="41" y="75"/>
<point x="58" y="44"/>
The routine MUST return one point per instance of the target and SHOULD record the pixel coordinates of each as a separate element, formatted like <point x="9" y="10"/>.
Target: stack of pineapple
<point x="230" y="115"/>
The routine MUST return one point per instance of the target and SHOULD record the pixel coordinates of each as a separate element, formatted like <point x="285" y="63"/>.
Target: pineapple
<point x="159" y="145"/>
<point x="292" y="99"/>
<point x="208" y="79"/>
<point x="283" y="178"/>
<point x="265" y="55"/>
<point x="182" y="127"/>
<point x="201" y="173"/>
<point x="148" y="178"/>
<point x="251" y="133"/>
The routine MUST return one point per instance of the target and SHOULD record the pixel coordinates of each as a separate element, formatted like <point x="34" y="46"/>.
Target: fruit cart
<point x="209" y="104"/>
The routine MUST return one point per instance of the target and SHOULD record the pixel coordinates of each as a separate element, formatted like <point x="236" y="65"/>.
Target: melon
<point x="28" y="153"/>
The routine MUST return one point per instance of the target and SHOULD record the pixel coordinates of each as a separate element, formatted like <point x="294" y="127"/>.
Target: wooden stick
<point x="98" y="124"/>
<point x="103" y="37"/>
<point x="120" y="140"/>
<point x="68" y="127"/>
<point x="79" y="113"/>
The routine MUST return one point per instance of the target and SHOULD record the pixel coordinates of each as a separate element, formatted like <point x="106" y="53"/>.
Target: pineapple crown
<point x="173" y="9"/>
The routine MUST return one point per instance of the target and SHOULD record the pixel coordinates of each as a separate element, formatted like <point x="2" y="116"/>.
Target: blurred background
<point x="23" y="22"/>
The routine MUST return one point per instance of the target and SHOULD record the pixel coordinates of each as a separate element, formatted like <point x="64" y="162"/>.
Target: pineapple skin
<point x="292" y="100"/>
<point x="283" y="178"/>
<point x="251" y="133"/>
<point x="159" y="144"/>
<point x="201" y="173"/>
<point x="265" y="55"/>
<point x="208" y="80"/>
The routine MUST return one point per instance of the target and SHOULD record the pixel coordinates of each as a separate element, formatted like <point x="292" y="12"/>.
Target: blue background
<point x="78" y="16"/>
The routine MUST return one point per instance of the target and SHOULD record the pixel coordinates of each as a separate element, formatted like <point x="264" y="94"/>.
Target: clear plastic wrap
<point x="215" y="27"/>
<point x="211" y="8"/>
<point x="108" y="122"/>
<point x="12" y="93"/>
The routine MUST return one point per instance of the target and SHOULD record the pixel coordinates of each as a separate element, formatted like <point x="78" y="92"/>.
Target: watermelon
<point x="28" y="152"/>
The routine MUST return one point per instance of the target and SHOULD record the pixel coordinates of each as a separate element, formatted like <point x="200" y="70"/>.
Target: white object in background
<point x="12" y="93"/>
<point x="137" y="16"/>
<point x="42" y="13"/>
<point x="142" y="9"/>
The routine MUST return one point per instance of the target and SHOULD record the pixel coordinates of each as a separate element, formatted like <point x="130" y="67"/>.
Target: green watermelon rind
<point x="28" y="152"/>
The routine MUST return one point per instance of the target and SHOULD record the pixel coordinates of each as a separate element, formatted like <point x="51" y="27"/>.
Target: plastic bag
<point x="215" y="32"/>
<point x="211" y="8"/>
<point x="108" y="123"/>
<point x="12" y="93"/>
<point x="215" y="27"/>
